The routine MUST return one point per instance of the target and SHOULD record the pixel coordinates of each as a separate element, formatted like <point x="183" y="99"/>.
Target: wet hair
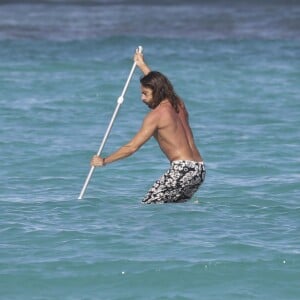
<point x="161" y="89"/>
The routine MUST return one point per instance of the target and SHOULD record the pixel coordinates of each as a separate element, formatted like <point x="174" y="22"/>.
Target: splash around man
<point x="168" y="123"/>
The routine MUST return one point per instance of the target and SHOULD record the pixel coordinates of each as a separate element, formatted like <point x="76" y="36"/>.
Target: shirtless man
<point x="168" y="123"/>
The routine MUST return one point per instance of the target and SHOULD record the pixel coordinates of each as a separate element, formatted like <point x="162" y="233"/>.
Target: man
<point x="168" y="123"/>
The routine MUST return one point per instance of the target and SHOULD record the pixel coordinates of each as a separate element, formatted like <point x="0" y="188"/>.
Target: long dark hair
<point x="161" y="89"/>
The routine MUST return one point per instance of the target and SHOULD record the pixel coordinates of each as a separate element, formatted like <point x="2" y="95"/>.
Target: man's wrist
<point x="103" y="162"/>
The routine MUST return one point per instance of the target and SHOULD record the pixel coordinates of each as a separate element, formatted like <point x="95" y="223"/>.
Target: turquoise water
<point x="238" y="238"/>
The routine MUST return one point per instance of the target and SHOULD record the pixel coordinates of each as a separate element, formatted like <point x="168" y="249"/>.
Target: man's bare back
<point x="173" y="133"/>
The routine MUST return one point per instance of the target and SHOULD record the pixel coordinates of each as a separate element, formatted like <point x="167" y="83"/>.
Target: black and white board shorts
<point x="178" y="184"/>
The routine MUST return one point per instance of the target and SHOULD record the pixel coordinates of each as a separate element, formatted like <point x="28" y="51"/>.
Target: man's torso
<point x="173" y="134"/>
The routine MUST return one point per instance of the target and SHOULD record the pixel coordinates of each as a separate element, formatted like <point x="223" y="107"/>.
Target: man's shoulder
<point x="158" y="115"/>
<point x="156" y="111"/>
<point x="153" y="115"/>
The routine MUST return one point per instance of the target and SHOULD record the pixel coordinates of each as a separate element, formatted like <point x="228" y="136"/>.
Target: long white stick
<point x="119" y="102"/>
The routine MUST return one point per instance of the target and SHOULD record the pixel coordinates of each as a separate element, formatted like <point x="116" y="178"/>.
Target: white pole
<point x="119" y="102"/>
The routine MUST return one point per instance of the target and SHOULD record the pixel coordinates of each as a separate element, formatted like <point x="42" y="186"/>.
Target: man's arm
<point x="144" y="134"/>
<point x="140" y="62"/>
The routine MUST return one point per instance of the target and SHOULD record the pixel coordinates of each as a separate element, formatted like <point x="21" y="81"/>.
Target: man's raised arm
<point x="140" y="62"/>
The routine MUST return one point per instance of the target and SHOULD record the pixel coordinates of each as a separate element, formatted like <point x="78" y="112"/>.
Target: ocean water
<point x="63" y="66"/>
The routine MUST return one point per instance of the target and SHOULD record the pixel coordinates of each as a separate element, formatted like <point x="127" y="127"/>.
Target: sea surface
<point x="63" y="65"/>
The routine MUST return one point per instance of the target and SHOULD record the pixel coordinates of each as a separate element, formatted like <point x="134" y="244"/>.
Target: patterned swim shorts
<point x="178" y="184"/>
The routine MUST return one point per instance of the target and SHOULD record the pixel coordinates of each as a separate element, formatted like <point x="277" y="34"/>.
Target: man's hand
<point x="97" y="161"/>
<point x="139" y="60"/>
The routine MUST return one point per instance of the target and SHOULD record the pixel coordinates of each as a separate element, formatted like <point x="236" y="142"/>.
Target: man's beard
<point x="150" y="105"/>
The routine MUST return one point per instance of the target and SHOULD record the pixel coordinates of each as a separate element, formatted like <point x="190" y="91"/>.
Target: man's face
<point x="146" y="95"/>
